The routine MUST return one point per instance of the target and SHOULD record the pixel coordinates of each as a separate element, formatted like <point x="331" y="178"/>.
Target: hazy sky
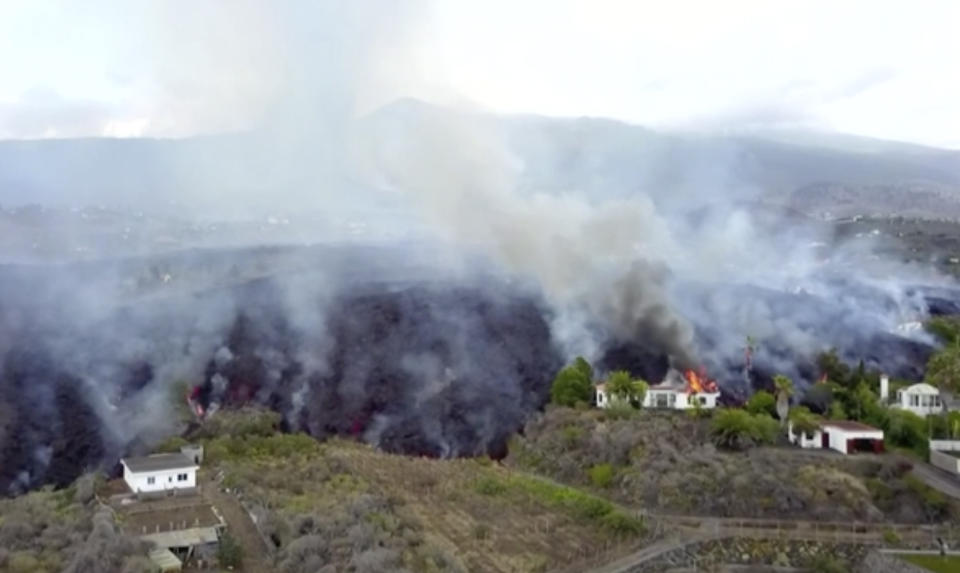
<point x="180" y="67"/>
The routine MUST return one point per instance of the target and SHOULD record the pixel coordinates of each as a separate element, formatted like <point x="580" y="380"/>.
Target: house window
<point x="181" y="477"/>
<point x="169" y="478"/>
<point x="151" y="480"/>
<point x="914" y="400"/>
<point x="703" y="400"/>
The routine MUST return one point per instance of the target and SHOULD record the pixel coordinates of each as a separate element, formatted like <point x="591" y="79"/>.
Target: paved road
<point x="937" y="479"/>
<point x="699" y="529"/>
<point x="241" y="527"/>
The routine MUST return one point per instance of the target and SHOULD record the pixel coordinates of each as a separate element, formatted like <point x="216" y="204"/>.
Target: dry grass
<point x="664" y="461"/>
<point x="429" y="513"/>
<point x="521" y="532"/>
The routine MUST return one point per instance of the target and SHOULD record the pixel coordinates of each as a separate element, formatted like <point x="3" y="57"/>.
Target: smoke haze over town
<point x="395" y="221"/>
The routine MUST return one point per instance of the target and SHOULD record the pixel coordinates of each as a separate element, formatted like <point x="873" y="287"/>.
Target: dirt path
<point x="255" y="557"/>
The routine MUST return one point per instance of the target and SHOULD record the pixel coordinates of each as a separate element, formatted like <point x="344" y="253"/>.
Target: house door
<point x="825" y="440"/>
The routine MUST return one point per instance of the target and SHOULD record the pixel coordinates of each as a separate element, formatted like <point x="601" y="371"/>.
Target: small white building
<point x="675" y="392"/>
<point x="159" y="473"/>
<point x="921" y="399"/>
<point x="843" y="436"/>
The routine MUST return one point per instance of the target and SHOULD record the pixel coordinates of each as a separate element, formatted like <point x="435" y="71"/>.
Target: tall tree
<point x="943" y="369"/>
<point x="784" y="389"/>
<point x="573" y="384"/>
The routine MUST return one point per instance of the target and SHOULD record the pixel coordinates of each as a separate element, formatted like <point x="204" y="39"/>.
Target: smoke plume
<point x="408" y="274"/>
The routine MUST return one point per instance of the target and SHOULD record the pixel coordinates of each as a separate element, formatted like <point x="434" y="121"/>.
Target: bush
<point x="620" y="410"/>
<point x="890" y="537"/>
<point x="762" y="402"/>
<point x="601" y="475"/>
<point x="230" y="553"/>
<point x="489" y="486"/>
<point x="935" y="504"/>
<point x="622" y="524"/>
<point x="170" y="445"/>
<point x="241" y="423"/>
<point x="737" y="429"/>
<point x="573" y="384"/>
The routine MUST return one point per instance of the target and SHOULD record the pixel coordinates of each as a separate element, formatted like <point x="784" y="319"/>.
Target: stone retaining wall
<point x="775" y="552"/>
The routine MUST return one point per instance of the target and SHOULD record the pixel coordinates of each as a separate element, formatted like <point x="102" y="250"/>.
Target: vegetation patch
<point x="670" y="462"/>
<point x="52" y="531"/>
<point x="937" y="563"/>
<point x="351" y="506"/>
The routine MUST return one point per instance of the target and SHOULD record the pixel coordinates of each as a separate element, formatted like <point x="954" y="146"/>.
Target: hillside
<point x="268" y="174"/>
<point x="341" y="505"/>
<point x="50" y="531"/>
<point x="664" y="461"/>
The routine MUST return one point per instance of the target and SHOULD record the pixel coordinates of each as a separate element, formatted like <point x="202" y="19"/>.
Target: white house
<point x="841" y="435"/>
<point x="805" y="440"/>
<point x="676" y="391"/>
<point x="921" y="399"/>
<point x="160" y="472"/>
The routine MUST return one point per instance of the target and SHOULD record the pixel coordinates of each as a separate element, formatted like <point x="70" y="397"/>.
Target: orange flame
<point x="699" y="382"/>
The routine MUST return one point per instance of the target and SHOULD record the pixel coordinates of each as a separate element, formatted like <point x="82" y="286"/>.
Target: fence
<point x="868" y="533"/>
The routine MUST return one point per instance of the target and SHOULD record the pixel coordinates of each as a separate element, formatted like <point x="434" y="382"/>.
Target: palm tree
<point x="621" y="385"/>
<point x="784" y="389"/>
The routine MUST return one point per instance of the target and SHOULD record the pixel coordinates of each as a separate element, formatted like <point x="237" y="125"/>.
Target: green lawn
<point x="948" y="564"/>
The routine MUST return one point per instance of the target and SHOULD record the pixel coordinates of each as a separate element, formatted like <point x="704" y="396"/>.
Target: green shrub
<point x="573" y="384"/>
<point x="571" y="435"/>
<point x="935" y="504"/>
<point x="601" y="475"/>
<point x="737" y="429"/>
<point x="762" y="402"/>
<point x="241" y="423"/>
<point x="489" y="486"/>
<point x="256" y="447"/>
<point x="622" y="524"/>
<point x="890" y="537"/>
<point x="620" y="410"/>
<point x="23" y="562"/>
<point x="230" y="552"/>
<point x="170" y="445"/>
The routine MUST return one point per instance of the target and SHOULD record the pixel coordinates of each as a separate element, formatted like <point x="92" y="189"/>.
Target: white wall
<point x="801" y="439"/>
<point x="945" y="461"/>
<point x="602" y="401"/>
<point x="839" y="437"/>
<point x="678" y="400"/>
<point x="162" y="480"/>
<point x="945" y="445"/>
<point x="921" y="399"/>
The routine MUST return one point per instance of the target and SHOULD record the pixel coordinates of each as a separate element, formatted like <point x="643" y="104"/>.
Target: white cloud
<point x="881" y="68"/>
